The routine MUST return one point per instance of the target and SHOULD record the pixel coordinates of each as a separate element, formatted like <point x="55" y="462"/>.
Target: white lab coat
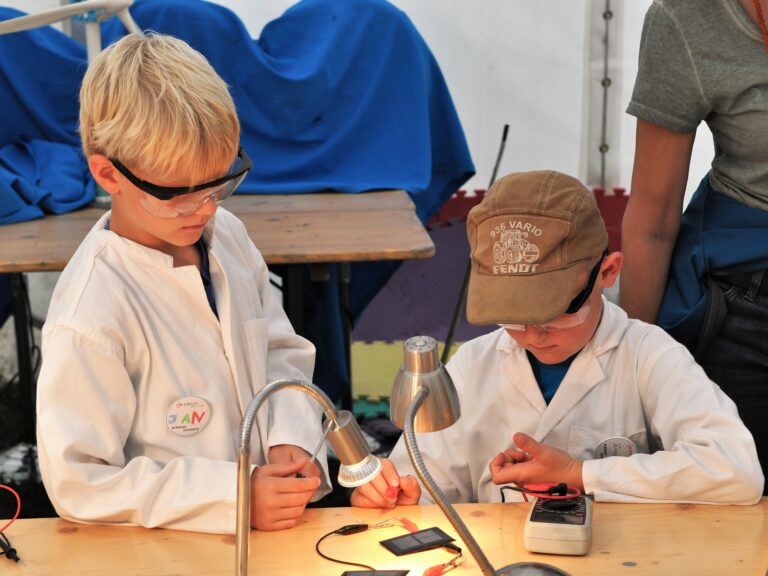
<point x="631" y="380"/>
<point x="126" y="336"/>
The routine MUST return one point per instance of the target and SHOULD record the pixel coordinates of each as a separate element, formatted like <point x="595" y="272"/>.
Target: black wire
<point x="7" y="550"/>
<point x="557" y="490"/>
<point x="317" y="549"/>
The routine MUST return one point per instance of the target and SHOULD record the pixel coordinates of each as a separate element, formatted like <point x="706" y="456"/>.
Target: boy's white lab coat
<point x="126" y="337"/>
<point x="631" y="380"/>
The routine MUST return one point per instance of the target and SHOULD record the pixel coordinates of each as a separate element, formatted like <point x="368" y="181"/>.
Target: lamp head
<point x="422" y="367"/>
<point x="358" y="465"/>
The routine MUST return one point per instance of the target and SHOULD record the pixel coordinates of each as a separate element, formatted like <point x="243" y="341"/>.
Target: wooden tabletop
<point x="627" y="539"/>
<point x="288" y="229"/>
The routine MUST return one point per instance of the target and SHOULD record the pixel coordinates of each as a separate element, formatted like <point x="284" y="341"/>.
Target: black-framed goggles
<point x="236" y="175"/>
<point x="582" y="296"/>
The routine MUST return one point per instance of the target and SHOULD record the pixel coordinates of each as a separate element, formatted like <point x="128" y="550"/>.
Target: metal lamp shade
<point x="422" y="367"/>
<point x="358" y="465"/>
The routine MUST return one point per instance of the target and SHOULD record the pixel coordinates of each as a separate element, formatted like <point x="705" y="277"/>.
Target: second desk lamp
<point x="424" y="399"/>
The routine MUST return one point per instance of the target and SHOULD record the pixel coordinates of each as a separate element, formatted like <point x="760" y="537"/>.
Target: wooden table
<point x="627" y="539"/>
<point x="288" y="229"/>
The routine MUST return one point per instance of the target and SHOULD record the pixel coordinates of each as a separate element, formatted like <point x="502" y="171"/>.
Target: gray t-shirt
<point x="706" y="60"/>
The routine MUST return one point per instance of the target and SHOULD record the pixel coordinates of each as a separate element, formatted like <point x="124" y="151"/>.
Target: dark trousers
<point x="737" y="357"/>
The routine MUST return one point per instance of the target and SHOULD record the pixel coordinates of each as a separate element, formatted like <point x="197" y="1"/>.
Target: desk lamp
<point x="423" y="386"/>
<point x="358" y="465"/>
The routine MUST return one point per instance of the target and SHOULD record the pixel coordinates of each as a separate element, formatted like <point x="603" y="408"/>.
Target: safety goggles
<point x="559" y="323"/>
<point x="576" y="313"/>
<point x="173" y="201"/>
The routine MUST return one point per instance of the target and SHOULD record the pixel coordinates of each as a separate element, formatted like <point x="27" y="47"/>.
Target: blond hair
<point x="155" y="104"/>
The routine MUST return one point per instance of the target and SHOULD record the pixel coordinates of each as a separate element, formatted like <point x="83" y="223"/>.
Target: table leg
<point x="23" y="352"/>
<point x="293" y="298"/>
<point x="293" y="303"/>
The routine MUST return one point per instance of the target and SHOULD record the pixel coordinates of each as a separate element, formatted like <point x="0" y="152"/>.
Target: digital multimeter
<point x="559" y="526"/>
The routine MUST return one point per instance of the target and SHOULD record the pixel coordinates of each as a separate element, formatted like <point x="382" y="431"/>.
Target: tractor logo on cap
<point x="513" y="248"/>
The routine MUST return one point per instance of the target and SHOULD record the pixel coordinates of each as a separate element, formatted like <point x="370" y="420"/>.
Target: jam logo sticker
<point x="188" y="416"/>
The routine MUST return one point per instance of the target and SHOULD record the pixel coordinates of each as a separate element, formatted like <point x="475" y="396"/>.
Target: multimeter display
<point x="571" y="511"/>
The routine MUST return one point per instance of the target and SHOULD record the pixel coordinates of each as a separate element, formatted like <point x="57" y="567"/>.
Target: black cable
<point x="556" y="490"/>
<point x="344" y="531"/>
<point x="7" y="550"/>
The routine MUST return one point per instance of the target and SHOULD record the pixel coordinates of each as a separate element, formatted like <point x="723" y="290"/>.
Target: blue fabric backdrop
<point x="335" y="94"/>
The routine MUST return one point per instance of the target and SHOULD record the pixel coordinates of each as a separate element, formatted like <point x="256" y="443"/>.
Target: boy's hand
<point x="288" y="453"/>
<point x="535" y="463"/>
<point x="278" y="498"/>
<point x="387" y="490"/>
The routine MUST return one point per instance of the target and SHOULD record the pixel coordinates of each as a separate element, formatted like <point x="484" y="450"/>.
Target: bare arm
<point x="652" y="218"/>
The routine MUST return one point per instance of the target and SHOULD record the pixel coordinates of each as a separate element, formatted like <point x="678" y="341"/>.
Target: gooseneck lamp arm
<point x="244" y="458"/>
<point x="437" y="494"/>
<point x="358" y="465"/>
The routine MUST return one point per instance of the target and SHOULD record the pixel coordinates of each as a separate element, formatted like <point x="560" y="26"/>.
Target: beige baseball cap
<point x="529" y="240"/>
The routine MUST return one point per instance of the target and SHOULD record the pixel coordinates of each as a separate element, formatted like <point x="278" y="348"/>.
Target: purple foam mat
<point x="421" y="296"/>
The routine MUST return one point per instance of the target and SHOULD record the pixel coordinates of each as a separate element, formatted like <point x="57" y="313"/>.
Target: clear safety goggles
<point x="174" y="201"/>
<point x="559" y="323"/>
<point x="576" y="313"/>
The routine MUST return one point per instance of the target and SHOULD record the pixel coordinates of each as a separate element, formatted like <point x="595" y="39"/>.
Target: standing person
<point x="702" y="277"/>
<point x="568" y="388"/>
<point x="164" y="326"/>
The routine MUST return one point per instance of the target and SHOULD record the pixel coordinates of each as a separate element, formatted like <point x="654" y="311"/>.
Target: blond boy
<point x="163" y="325"/>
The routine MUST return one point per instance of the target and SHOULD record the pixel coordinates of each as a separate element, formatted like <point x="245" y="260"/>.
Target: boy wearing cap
<point x="569" y="389"/>
<point x="164" y="326"/>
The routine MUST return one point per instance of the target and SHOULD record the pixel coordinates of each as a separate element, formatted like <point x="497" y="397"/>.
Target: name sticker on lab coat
<point x="188" y="416"/>
<point x="615" y="446"/>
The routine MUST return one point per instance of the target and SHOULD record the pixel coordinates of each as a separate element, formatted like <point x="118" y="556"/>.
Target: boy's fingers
<point x="282" y="470"/>
<point x="515" y="455"/>
<point x="378" y="484"/>
<point x="291" y="499"/>
<point x="375" y="496"/>
<point x="525" y="443"/>
<point x="499" y="460"/>
<point x="361" y="500"/>
<point x="278" y="525"/>
<point x="290" y="484"/>
<point x="312" y="470"/>
<point x="287" y="513"/>
<point x="389" y="473"/>
<point x="410" y="491"/>
<point x="392" y="492"/>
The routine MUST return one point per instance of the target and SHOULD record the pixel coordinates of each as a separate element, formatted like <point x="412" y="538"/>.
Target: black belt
<point x="745" y="280"/>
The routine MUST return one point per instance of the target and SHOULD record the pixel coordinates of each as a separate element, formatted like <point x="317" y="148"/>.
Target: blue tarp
<point x="717" y="234"/>
<point x="335" y="94"/>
